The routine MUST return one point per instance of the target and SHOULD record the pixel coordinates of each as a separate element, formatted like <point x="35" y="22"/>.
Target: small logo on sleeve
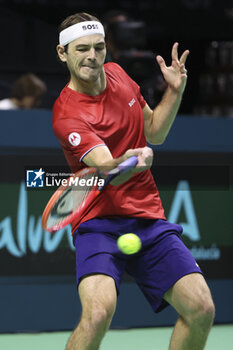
<point x="131" y="103"/>
<point x="74" y="139"/>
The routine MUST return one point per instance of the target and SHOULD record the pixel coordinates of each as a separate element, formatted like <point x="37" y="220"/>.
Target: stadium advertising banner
<point x="199" y="197"/>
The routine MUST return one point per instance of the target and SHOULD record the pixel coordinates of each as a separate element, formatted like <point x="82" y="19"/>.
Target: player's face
<point x="85" y="57"/>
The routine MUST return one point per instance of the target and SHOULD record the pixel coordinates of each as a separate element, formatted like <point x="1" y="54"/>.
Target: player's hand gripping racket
<point x="71" y="201"/>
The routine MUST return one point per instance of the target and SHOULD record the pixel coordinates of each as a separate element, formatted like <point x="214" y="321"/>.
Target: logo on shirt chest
<point x="131" y="103"/>
<point x="74" y="139"/>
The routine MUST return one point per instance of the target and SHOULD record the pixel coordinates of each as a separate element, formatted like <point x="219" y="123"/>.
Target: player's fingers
<point x="175" y="52"/>
<point x="183" y="70"/>
<point x="148" y="151"/>
<point x="133" y="152"/>
<point x="147" y="156"/>
<point x="184" y="56"/>
<point x="144" y="152"/>
<point x="161" y="62"/>
<point x="144" y="163"/>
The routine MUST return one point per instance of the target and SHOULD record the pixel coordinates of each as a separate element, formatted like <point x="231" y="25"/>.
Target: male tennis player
<point x="100" y="120"/>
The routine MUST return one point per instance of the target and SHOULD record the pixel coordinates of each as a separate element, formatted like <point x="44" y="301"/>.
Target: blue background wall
<point x="188" y="133"/>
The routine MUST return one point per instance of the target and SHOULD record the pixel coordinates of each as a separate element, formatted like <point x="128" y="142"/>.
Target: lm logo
<point x="35" y="178"/>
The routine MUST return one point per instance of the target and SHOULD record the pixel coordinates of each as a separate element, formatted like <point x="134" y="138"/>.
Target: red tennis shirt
<point x="113" y="118"/>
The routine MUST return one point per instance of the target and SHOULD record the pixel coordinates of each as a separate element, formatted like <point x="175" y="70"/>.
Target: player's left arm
<point x="159" y="121"/>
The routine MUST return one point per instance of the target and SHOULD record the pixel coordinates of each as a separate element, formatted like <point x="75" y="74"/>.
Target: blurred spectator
<point x="215" y="96"/>
<point x="26" y="93"/>
<point x="126" y="43"/>
<point x="114" y="16"/>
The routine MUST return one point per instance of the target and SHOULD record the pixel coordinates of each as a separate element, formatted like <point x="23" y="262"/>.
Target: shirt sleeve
<point x="76" y="137"/>
<point x="137" y="90"/>
<point x="134" y="86"/>
<point x="139" y="95"/>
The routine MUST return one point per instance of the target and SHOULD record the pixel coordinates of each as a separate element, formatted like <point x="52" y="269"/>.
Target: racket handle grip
<point x="128" y="164"/>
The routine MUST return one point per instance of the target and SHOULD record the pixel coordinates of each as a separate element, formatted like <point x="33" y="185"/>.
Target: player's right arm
<point x="102" y="159"/>
<point x="77" y="138"/>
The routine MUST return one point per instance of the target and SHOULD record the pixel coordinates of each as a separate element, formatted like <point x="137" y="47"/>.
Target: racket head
<point x="68" y="202"/>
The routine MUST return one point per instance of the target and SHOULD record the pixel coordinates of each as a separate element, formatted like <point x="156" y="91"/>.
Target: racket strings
<point x="71" y="199"/>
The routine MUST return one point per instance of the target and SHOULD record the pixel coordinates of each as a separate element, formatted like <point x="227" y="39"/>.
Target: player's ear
<point x="61" y="53"/>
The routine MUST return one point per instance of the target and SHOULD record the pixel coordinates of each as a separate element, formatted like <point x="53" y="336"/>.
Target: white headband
<point x="80" y="29"/>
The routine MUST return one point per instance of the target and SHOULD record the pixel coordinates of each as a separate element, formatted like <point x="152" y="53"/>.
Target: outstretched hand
<point x="176" y="74"/>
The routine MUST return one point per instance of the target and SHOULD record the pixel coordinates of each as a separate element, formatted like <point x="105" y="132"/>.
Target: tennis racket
<point x="71" y="201"/>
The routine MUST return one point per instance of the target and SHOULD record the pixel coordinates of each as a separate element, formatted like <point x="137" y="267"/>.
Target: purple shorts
<point x="162" y="261"/>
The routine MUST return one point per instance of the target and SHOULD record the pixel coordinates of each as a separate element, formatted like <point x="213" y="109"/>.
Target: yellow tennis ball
<point x="129" y="243"/>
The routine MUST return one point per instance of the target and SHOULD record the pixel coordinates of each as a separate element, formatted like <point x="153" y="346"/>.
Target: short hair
<point x="76" y="18"/>
<point x="28" y="85"/>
